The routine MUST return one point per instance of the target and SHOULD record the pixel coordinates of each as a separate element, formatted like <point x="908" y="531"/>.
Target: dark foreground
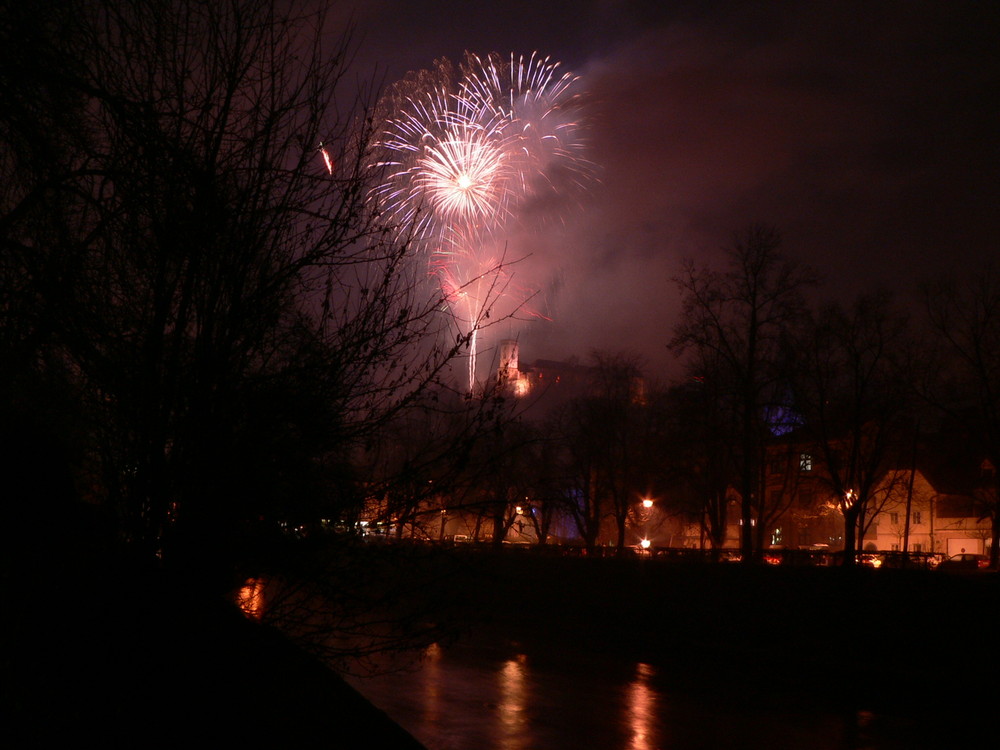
<point x="887" y="640"/>
<point x="129" y="659"/>
<point x="136" y="661"/>
<point x="868" y="658"/>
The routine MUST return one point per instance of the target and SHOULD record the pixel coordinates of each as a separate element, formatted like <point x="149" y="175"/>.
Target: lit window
<point x="805" y="462"/>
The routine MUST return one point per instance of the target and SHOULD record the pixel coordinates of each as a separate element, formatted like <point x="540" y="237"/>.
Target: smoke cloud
<point x="866" y="133"/>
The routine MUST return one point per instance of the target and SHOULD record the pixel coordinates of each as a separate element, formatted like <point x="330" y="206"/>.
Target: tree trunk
<point x="850" y="535"/>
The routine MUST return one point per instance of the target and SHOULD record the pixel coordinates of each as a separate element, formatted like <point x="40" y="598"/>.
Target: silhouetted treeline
<point x="216" y="321"/>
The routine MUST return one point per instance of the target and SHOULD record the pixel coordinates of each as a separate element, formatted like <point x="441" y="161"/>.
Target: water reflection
<point x="465" y="698"/>
<point x="433" y="700"/>
<point x="642" y="709"/>
<point x="478" y="698"/>
<point x="513" y="700"/>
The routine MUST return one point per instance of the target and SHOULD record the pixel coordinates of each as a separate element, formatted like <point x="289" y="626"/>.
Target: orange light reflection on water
<point x="250" y="598"/>
<point x="642" y="709"/>
<point x="514" y="703"/>
<point x="435" y="703"/>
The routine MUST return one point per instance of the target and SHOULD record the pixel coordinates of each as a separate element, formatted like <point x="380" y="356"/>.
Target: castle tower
<point x="508" y="360"/>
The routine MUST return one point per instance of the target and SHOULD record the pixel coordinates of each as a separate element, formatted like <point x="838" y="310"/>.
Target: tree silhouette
<point x="189" y="251"/>
<point x="964" y="316"/>
<point x="853" y="389"/>
<point x="735" y="320"/>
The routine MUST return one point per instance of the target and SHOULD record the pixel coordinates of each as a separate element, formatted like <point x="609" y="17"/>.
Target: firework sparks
<point x="464" y="178"/>
<point x="447" y="165"/>
<point x="463" y="155"/>
<point x="535" y="101"/>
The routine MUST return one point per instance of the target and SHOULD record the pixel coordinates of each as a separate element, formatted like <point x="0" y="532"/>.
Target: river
<point x="475" y="698"/>
<point x="561" y="653"/>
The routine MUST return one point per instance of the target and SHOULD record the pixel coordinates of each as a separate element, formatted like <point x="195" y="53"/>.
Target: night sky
<point x="866" y="132"/>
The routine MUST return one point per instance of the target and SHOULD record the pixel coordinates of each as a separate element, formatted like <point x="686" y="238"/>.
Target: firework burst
<point x="541" y="118"/>
<point x="463" y="176"/>
<point x="462" y="157"/>
<point x="446" y="166"/>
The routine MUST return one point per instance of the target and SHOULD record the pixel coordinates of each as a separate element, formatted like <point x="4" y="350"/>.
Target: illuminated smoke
<point x="462" y="156"/>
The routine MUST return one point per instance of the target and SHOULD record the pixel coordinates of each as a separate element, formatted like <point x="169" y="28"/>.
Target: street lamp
<point x="647" y="505"/>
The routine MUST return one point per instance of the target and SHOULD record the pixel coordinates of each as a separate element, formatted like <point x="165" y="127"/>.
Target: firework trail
<point x="464" y="153"/>
<point x="467" y="284"/>
<point x="475" y="279"/>
<point x="327" y="159"/>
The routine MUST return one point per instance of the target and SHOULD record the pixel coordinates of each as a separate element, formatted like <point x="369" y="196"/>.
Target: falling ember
<point x="327" y="159"/>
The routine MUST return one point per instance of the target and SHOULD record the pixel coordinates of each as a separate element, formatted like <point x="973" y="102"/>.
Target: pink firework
<point x="446" y="166"/>
<point x="461" y="158"/>
<point x="542" y="119"/>
<point x="477" y="284"/>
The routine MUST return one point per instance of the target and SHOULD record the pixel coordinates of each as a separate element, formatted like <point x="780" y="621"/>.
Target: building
<point x="546" y="383"/>
<point x="938" y="507"/>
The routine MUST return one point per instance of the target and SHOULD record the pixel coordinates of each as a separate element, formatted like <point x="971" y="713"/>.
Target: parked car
<point x="965" y="562"/>
<point x="870" y="560"/>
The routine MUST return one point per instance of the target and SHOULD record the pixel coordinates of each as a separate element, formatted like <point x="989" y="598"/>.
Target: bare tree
<point x="585" y="503"/>
<point x="499" y="478"/>
<point x="701" y="445"/>
<point x="735" y="320"/>
<point x="617" y="411"/>
<point x="852" y="388"/>
<point x="606" y="434"/>
<point x="186" y="214"/>
<point x="965" y="319"/>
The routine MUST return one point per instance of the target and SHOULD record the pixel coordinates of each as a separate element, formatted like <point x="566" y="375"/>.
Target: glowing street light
<point x="644" y="516"/>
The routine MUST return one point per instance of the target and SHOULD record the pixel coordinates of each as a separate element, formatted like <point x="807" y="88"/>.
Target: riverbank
<point x="110" y="656"/>
<point x="600" y="652"/>
<point x="130" y="657"/>
<point x="879" y="639"/>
